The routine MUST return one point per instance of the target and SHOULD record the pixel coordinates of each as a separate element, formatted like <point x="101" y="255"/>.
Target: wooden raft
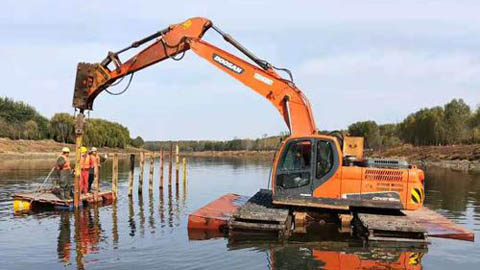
<point x="48" y="198"/>
<point x="377" y="227"/>
<point x="259" y="215"/>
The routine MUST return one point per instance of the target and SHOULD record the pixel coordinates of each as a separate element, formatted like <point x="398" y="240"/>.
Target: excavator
<point x="309" y="169"/>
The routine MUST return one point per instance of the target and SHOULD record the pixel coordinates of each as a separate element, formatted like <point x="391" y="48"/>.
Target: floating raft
<point x="47" y="198"/>
<point x="437" y="225"/>
<point x="216" y="215"/>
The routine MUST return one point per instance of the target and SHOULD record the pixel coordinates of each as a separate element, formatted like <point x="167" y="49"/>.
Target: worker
<point x="65" y="174"/>
<point x="94" y="166"/>
<point x="84" y="166"/>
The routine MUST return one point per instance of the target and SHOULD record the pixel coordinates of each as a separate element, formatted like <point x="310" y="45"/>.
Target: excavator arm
<point x="173" y="42"/>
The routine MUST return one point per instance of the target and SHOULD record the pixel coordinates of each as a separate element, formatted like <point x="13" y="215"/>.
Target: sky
<point x="354" y="60"/>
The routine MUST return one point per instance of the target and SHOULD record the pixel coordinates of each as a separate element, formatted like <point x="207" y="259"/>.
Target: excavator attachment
<point x="90" y="77"/>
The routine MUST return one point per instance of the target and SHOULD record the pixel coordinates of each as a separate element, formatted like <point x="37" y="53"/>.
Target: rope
<point x="44" y="181"/>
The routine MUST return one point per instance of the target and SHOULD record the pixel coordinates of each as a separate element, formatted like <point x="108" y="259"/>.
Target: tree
<point x="62" y="128"/>
<point x="369" y="130"/>
<point x="457" y="115"/>
<point x="138" y="142"/>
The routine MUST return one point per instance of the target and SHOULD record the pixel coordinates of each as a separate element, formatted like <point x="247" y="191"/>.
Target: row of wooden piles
<point x="150" y="157"/>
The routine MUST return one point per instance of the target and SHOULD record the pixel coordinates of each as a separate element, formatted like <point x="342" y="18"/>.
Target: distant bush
<point x="21" y="121"/>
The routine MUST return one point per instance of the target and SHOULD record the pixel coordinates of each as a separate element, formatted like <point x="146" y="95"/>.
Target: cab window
<point x="324" y="158"/>
<point x="295" y="167"/>
<point x="297" y="157"/>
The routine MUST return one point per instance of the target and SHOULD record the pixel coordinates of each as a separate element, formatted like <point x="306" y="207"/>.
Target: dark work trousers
<point x="91" y="177"/>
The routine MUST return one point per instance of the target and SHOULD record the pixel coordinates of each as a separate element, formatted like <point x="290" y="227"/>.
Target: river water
<point x="150" y="231"/>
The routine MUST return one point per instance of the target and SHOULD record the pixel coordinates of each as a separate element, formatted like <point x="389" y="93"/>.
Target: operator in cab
<point x="65" y="174"/>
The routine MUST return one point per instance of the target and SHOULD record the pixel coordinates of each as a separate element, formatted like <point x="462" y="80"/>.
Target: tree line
<point x="453" y="123"/>
<point x="266" y="143"/>
<point x="19" y="120"/>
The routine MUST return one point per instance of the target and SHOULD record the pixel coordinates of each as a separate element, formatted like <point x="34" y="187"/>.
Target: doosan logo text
<point x="224" y="62"/>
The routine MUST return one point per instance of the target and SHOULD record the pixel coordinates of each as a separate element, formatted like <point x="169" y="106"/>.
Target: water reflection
<point x="87" y="235"/>
<point x="344" y="258"/>
<point x="150" y="230"/>
<point x="115" y="233"/>
<point x="131" y="217"/>
<point x="151" y="217"/>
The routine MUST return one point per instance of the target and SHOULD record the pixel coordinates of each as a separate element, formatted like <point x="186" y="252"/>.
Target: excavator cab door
<point x="295" y="171"/>
<point x="326" y="161"/>
<point x="304" y="165"/>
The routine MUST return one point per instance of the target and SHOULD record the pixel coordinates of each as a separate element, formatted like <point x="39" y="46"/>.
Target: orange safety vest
<point x="65" y="166"/>
<point x="94" y="160"/>
<point x="85" y="162"/>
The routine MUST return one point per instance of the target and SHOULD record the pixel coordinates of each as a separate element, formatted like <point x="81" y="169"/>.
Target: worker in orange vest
<point x="94" y="165"/>
<point x="84" y="167"/>
<point x="64" y="173"/>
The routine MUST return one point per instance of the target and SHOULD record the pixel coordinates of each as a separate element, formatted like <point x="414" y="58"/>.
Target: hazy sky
<point x="355" y="60"/>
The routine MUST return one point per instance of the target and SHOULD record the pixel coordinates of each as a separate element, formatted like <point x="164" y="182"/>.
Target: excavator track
<point x="258" y="216"/>
<point x="390" y="228"/>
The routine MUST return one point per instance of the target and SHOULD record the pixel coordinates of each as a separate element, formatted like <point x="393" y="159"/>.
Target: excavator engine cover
<point x="89" y="77"/>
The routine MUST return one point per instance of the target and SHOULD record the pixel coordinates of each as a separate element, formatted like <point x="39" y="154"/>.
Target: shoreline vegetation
<point x="447" y="136"/>
<point x="462" y="157"/>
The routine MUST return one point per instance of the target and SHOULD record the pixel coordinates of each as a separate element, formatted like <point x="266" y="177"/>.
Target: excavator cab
<point x="305" y="164"/>
<point x="317" y="172"/>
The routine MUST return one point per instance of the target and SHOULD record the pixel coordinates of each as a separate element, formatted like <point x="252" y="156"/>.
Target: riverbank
<point x="464" y="158"/>
<point x="12" y="152"/>
<point x="263" y="155"/>
<point x="456" y="157"/>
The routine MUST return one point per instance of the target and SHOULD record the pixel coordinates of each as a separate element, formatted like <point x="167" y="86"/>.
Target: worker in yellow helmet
<point x="65" y="174"/>
<point x="84" y="167"/>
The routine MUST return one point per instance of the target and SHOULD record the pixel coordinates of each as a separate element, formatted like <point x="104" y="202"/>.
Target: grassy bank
<point x="44" y="148"/>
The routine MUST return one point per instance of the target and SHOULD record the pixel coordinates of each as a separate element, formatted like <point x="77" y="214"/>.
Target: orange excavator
<point x="309" y="169"/>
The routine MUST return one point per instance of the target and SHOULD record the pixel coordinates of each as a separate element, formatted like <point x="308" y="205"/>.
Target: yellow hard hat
<point x="65" y="150"/>
<point x="83" y="150"/>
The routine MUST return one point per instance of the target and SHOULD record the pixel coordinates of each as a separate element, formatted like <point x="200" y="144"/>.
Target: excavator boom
<point x="173" y="42"/>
